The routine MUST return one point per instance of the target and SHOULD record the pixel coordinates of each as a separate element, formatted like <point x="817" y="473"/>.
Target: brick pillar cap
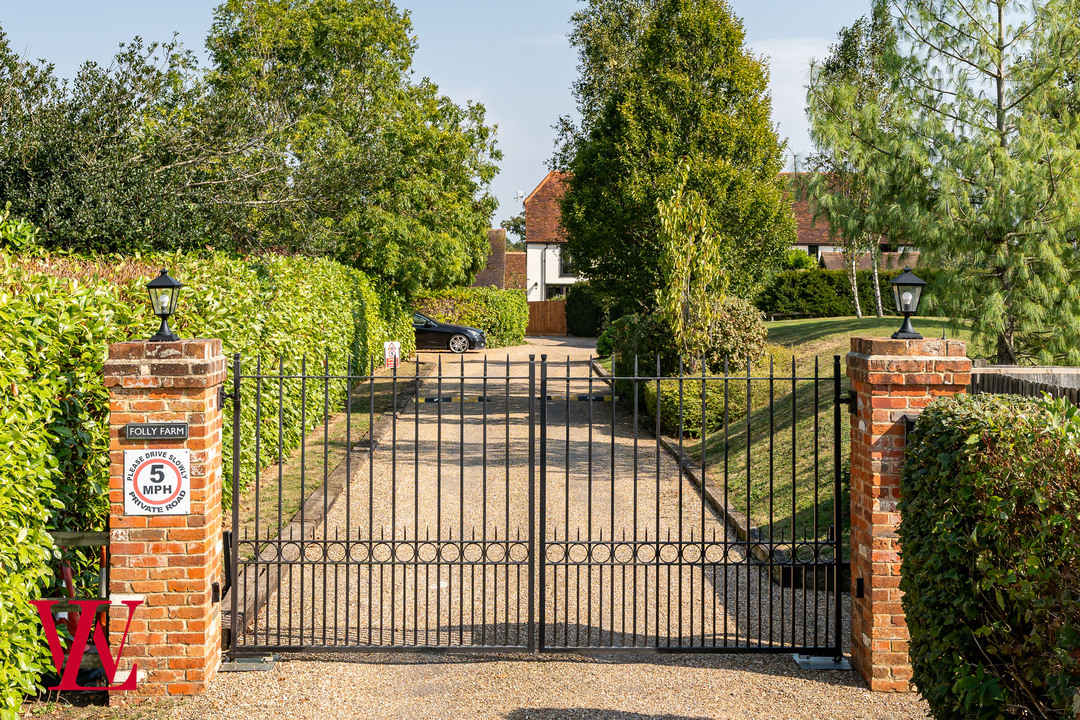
<point x="927" y="347"/>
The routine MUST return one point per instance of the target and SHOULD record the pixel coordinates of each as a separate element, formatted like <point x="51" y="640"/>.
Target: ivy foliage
<point x="503" y="315"/>
<point x="991" y="578"/>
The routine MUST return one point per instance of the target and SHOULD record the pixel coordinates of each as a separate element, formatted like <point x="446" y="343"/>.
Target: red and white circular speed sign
<point x="157" y="482"/>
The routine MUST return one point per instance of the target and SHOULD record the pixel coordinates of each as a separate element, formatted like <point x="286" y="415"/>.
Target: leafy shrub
<point x="991" y="575"/>
<point x="618" y="334"/>
<point x="827" y="293"/>
<point x="798" y="260"/>
<point x="738" y="335"/>
<point x="584" y="312"/>
<point x="503" y="315"/>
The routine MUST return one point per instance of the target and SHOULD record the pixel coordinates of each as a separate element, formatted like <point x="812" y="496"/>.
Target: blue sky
<point x="510" y="55"/>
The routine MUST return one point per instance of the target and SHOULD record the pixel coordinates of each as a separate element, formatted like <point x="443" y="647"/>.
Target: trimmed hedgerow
<point x="827" y="293"/>
<point x="503" y="315"/>
<point x="585" y="313"/>
<point x="53" y="448"/>
<point x="57" y="318"/>
<point x="990" y="518"/>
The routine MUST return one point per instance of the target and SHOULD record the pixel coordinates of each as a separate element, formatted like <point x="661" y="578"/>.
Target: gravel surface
<point x="461" y="470"/>
<point x="547" y="687"/>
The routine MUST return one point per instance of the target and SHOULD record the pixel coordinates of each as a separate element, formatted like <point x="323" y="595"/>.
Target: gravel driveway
<point x="452" y="483"/>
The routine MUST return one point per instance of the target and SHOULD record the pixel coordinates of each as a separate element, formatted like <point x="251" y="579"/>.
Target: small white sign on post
<point x="392" y="353"/>
<point x="157" y="482"/>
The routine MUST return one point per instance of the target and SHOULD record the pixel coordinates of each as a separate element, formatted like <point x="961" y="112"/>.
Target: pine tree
<point x="979" y="165"/>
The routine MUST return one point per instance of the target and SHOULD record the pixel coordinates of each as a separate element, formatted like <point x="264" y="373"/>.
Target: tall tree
<point x="852" y="76"/>
<point x="362" y="163"/>
<point x="688" y="88"/>
<point x="979" y="165"/>
<point x="515" y="226"/>
<point x="607" y="36"/>
<point x="115" y="160"/>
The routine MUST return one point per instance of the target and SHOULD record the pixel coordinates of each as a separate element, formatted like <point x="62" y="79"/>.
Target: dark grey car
<point x="434" y="335"/>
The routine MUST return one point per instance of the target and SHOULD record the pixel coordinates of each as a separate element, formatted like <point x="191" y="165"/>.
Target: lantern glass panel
<point x="164" y="300"/>
<point x="907" y="297"/>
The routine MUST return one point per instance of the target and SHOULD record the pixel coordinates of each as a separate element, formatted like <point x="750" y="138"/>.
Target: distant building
<point x="549" y="268"/>
<point x="889" y="260"/>
<point x="494" y="273"/>
<point x="815" y="238"/>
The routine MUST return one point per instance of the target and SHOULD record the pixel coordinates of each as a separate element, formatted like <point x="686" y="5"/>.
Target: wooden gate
<point x="547" y="317"/>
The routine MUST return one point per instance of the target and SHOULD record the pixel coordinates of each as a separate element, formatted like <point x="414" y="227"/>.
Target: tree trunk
<point x="852" y="265"/>
<point x="875" y="260"/>
<point x="1006" y="354"/>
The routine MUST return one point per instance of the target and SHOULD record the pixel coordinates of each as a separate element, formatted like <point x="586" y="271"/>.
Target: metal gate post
<point x="838" y="540"/>
<point x="542" y="562"/>
<point x="532" y="504"/>
<point x="234" y="536"/>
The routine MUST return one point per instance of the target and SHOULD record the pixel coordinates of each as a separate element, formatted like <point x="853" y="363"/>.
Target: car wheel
<point x="458" y="344"/>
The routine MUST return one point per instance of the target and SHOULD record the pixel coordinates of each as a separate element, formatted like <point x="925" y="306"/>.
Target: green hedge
<point x="503" y="315"/>
<point x="585" y="313"/>
<point x="690" y="403"/>
<point x="53" y="448"/>
<point x="827" y="293"/>
<point x="991" y="574"/>
<point x="57" y="318"/>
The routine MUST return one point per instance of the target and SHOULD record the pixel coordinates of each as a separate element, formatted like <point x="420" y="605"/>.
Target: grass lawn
<point x="776" y="465"/>
<point x="323" y="449"/>
<point x="789" y="469"/>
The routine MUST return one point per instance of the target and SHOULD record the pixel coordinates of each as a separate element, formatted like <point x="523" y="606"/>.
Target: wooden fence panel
<point x="1000" y="384"/>
<point x="547" y="317"/>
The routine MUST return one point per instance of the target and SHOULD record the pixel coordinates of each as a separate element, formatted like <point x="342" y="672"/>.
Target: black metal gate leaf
<point x="532" y="506"/>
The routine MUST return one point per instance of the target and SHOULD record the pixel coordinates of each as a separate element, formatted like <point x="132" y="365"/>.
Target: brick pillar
<point x="170" y="562"/>
<point x="892" y="378"/>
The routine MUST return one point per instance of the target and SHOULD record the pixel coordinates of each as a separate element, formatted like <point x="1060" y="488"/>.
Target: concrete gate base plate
<point x="817" y="662"/>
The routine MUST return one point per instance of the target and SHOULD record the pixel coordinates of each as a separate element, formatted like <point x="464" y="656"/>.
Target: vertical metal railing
<point x="616" y="555"/>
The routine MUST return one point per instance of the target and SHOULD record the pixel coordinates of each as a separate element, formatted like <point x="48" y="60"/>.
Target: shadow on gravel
<point x="590" y="714"/>
<point x="779" y="665"/>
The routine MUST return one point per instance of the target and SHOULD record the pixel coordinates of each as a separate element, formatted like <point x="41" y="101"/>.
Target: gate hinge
<point x="852" y="401"/>
<point x="223" y="396"/>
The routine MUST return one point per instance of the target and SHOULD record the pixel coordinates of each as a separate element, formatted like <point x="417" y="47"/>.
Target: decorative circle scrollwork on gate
<point x="472" y="552"/>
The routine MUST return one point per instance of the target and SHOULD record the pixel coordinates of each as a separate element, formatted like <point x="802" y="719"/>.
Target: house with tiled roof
<point x="815" y="237"/>
<point x="549" y="270"/>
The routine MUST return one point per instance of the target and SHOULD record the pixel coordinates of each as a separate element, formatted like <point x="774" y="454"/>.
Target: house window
<point x="566" y="264"/>
<point x="556" y="291"/>
<point x="812" y="251"/>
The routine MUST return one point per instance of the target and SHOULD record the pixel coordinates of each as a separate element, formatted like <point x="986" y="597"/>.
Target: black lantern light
<point x="907" y="290"/>
<point x="164" y="292"/>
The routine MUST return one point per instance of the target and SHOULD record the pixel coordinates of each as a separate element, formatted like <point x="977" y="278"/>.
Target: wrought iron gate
<point x="492" y="504"/>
